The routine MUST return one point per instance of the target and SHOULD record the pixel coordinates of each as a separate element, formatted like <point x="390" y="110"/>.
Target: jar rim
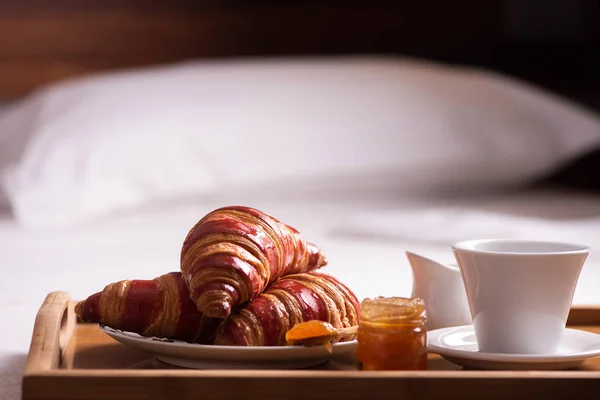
<point x="393" y="308"/>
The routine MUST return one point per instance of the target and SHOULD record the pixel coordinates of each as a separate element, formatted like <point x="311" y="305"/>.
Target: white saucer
<point x="197" y="356"/>
<point x="459" y="346"/>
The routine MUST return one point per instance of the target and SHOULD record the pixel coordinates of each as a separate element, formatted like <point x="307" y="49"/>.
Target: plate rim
<point x="512" y="358"/>
<point x="198" y="346"/>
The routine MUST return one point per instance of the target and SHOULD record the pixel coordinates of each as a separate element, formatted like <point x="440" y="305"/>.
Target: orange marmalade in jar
<point x="392" y="334"/>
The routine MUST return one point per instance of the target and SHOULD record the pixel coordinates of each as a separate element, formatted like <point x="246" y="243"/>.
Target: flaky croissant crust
<point x="233" y="253"/>
<point x="162" y="308"/>
<point x="292" y="299"/>
<point x="159" y="307"/>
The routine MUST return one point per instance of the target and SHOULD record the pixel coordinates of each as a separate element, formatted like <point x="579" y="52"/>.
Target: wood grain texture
<point x="42" y="41"/>
<point x="53" y="327"/>
<point x="94" y="366"/>
<point x="325" y="388"/>
<point x="584" y="316"/>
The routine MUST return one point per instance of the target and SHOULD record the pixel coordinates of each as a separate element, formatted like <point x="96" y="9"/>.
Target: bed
<point x="115" y="117"/>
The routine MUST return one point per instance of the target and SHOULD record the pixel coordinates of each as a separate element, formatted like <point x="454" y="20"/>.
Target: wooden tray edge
<point x="56" y="320"/>
<point x="55" y="323"/>
<point x="341" y="386"/>
<point x="584" y="315"/>
<point x="52" y="330"/>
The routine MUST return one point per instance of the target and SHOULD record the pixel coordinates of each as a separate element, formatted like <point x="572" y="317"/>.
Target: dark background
<point x="551" y="43"/>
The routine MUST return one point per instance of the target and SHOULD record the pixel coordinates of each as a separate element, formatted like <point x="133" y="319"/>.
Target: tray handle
<point x="54" y="325"/>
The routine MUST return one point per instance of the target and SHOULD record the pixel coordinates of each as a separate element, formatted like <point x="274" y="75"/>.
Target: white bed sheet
<point x="364" y="242"/>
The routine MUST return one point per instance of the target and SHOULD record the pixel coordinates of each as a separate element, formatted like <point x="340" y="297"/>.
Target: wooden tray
<point x="71" y="360"/>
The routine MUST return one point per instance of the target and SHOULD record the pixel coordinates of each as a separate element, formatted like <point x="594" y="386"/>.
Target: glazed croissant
<point x="160" y="307"/>
<point x="233" y="253"/>
<point x="292" y="299"/>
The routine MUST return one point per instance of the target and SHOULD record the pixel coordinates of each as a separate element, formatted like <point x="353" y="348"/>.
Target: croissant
<point x="160" y="307"/>
<point x="292" y="299"/>
<point x="233" y="253"/>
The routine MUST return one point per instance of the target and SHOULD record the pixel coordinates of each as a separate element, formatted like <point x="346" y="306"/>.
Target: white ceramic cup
<point x="519" y="291"/>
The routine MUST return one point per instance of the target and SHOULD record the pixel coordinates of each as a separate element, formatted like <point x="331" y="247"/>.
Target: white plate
<point x="189" y="355"/>
<point x="459" y="346"/>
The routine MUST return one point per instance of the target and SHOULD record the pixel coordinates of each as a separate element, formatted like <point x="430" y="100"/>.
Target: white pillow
<point x="91" y="146"/>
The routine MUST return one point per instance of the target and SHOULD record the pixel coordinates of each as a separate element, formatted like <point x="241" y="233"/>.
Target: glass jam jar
<point x="392" y="334"/>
